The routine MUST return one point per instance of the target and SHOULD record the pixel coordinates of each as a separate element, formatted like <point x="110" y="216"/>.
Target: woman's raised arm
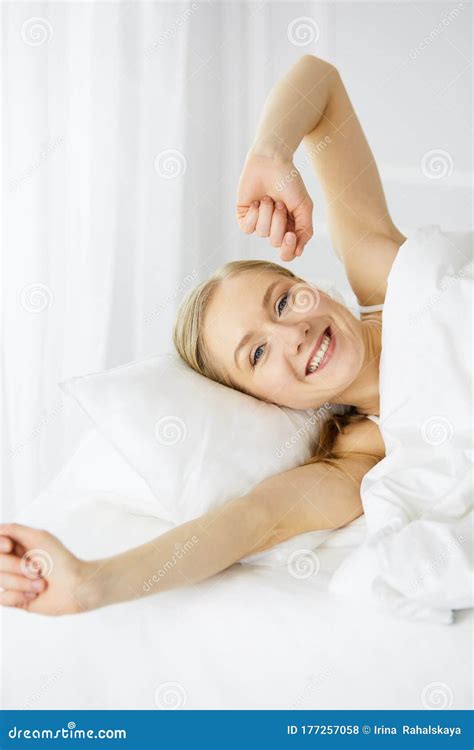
<point x="310" y="497"/>
<point x="310" y="105"/>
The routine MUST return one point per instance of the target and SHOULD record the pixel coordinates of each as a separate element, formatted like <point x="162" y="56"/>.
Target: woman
<point x="259" y="328"/>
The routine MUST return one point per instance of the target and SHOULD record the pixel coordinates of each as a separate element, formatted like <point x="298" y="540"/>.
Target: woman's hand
<point x="288" y="222"/>
<point x="39" y="574"/>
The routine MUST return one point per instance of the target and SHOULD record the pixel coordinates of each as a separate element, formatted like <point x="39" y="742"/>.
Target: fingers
<point x="265" y="214"/>
<point x="269" y="219"/>
<point x="278" y="226"/>
<point x="6" y="544"/>
<point x="303" y="216"/>
<point x="11" y="564"/>
<point x="22" y="537"/>
<point x="288" y="247"/>
<point x="11" y="582"/>
<point x="249" y="221"/>
<point x="16" y="598"/>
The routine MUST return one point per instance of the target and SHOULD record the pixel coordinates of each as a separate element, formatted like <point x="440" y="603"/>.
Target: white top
<point x="373" y="418"/>
<point x="370" y="308"/>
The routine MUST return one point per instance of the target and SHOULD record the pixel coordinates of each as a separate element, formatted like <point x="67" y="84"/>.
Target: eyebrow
<point x="245" y="339"/>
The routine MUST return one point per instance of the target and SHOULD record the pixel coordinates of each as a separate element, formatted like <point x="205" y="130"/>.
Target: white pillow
<point x="195" y="442"/>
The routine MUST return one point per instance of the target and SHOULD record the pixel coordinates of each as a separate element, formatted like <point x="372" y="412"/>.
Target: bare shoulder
<point x="363" y="437"/>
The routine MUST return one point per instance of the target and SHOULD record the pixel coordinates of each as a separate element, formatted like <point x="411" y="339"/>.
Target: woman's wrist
<point x="91" y="590"/>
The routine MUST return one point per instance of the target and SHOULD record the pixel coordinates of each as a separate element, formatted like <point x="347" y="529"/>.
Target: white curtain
<point x="125" y="129"/>
<point x="125" y="126"/>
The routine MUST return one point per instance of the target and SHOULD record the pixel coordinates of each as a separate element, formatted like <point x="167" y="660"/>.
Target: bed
<point x="253" y="637"/>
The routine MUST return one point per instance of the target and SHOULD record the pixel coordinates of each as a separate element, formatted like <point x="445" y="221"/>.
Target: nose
<point x="291" y="336"/>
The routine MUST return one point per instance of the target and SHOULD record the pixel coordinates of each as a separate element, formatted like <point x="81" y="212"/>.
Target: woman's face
<point x="264" y="330"/>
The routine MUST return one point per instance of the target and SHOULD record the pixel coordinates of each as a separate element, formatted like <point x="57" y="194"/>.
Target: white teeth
<point x="316" y="361"/>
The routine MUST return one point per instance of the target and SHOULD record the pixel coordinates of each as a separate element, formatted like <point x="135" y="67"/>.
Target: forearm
<point x="294" y="107"/>
<point x="185" y="555"/>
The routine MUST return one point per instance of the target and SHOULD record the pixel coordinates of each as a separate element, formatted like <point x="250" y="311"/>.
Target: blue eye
<point x="255" y="358"/>
<point x="284" y="299"/>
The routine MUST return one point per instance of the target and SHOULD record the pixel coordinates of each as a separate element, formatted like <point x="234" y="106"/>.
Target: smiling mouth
<point x="322" y="352"/>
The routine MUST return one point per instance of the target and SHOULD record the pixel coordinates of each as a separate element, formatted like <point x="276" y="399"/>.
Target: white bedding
<point x="253" y="637"/>
<point x="418" y="558"/>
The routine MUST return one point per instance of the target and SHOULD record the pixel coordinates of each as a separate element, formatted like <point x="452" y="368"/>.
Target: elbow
<point x="312" y="61"/>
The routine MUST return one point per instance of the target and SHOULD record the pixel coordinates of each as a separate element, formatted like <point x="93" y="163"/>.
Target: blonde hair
<point x="191" y="346"/>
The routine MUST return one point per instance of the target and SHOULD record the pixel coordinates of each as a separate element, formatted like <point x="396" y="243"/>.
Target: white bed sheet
<point x="252" y="637"/>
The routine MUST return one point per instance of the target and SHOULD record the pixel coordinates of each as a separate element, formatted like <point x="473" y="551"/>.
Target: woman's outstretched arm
<point x="313" y="496"/>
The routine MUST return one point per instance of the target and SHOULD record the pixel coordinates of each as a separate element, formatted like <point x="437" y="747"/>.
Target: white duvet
<point x="252" y="637"/>
<point x="417" y="560"/>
